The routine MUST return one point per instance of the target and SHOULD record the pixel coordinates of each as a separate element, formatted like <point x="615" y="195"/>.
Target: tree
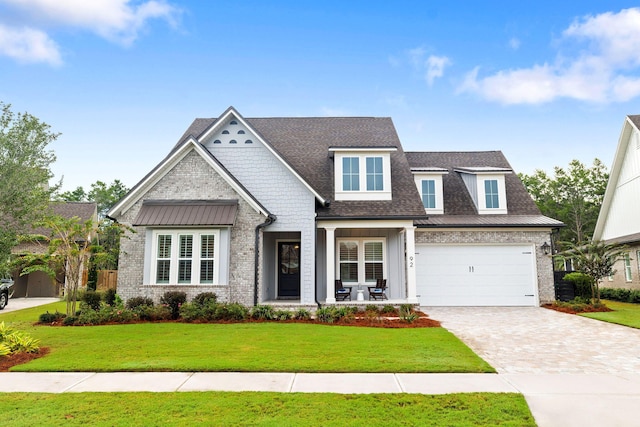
<point x="596" y="260"/>
<point x="69" y="250"/>
<point x="573" y="196"/>
<point x="104" y="195"/>
<point x="24" y="175"/>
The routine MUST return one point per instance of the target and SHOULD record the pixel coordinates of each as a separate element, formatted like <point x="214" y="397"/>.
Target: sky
<point x="543" y="81"/>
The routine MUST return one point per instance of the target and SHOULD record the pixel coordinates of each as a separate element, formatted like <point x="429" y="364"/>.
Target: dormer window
<point x="429" y="183"/>
<point x="362" y="173"/>
<point x="486" y="187"/>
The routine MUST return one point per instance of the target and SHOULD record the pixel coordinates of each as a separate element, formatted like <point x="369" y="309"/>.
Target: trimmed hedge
<point x="620" y="294"/>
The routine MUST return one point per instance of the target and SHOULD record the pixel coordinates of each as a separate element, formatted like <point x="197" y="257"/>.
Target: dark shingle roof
<point x="304" y="143"/>
<point x="459" y="209"/>
<point x="635" y="119"/>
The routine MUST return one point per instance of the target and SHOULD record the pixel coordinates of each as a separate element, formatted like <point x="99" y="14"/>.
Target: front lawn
<point x="623" y="313"/>
<point x="264" y="409"/>
<point x="248" y="347"/>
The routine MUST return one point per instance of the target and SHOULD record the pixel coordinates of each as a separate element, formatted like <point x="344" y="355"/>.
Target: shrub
<point x="325" y="315"/>
<point x="204" y="297"/>
<point x="232" y="311"/>
<point x="634" y="296"/>
<point x="138" y="301"/>
<point x="14" y="341"/>
<point x="581" y="282"/>
<point x="407" y="313"/>
<point x="152" y="313"/>
<point x="283" y="315"/>
<point x="191" y="312"/>
<point x="387" y="309"/>
<point x="109" y="297"/>
<point x="302" y="314"/>
<point x="263" y="312"/>
<point x="69" y="320"/>
<point x="92" y="299"/>
<point x="173" y="300"/>
<point x="372" y="308"/>
<point x="51" y="317"/>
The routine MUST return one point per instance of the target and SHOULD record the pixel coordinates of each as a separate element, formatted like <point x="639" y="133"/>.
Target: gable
<point x="183" y="153"/>
<point x="621" y="205"/>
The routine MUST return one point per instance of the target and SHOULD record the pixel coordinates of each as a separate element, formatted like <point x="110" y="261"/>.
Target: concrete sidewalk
<point x="554" y="399"/>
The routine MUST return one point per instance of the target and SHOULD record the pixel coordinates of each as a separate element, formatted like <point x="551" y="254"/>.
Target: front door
<point x="289" y="270"/>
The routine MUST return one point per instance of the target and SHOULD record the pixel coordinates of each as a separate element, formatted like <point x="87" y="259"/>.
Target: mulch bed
<point x="7" y="362"/>
<point x="569" y="310"/>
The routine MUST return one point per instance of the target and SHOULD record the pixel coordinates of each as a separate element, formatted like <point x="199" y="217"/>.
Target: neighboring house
<point x="618" y="221"/>
<point x="39" y="284"/>
<point x="270" y="210"/>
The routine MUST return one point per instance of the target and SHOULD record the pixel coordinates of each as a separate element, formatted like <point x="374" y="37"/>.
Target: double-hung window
<point x="627" y="268"/>
<point x="491" y="194"/>
<point x="429" y="193"/>
<point x="361" y="260"/>
<point x="351" y="174"/>
<point x="375" y="181"/>
<point x="185" y="257"/>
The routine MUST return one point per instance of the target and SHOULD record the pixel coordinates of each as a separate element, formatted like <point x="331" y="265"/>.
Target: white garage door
<point x="469" y="275"/>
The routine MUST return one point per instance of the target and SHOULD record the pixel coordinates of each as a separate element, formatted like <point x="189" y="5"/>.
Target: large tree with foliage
<point x="25" y="171"/>
<point x="572" y="195"/>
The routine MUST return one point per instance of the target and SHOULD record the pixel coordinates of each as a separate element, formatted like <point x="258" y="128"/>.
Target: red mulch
<point x="569" y="310"/>
<point x="7" y="362"/>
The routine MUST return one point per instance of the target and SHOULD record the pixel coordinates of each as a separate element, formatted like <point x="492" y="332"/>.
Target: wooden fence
<point x="107" y="279"/>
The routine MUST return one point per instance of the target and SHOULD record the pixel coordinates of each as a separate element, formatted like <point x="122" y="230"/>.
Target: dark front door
<point x="289" y="270"/>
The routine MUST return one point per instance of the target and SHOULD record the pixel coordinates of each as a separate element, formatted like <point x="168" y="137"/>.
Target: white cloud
<point x="604" y="71"/>
<point x="435" y="67"/>
<point x="432" y="67"/>
<point x="28" y="45"/>
<point x="118" y="21"/>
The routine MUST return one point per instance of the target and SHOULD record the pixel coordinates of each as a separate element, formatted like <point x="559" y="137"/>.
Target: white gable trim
<point x="167" y="165"/>
<point x="623" y="142"/>
<point x="232" y="112"/>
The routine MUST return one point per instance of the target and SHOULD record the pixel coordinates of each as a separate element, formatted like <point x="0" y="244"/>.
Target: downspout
<point x="270" y="220"/>
<point x="315" y="261"/>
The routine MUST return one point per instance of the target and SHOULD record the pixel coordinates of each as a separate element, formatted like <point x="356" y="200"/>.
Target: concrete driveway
<point x="20" y="303"/>
<point x="573" y="371"/>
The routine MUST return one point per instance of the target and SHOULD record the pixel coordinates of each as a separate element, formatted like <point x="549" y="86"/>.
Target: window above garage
<point x="429" y="184"/>
<point x="486" y="186"/>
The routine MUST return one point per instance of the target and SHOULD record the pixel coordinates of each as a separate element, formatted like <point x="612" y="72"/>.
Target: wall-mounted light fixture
<point x="546" y="249"/>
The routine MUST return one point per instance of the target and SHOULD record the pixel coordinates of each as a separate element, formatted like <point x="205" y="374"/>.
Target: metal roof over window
<point x="187" y="212"/>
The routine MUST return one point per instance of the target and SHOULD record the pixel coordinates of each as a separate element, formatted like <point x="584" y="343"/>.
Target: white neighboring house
<point x="619" y="218"/>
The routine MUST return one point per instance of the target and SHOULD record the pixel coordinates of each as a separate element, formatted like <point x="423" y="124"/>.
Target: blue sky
<point x="545" y="82"/>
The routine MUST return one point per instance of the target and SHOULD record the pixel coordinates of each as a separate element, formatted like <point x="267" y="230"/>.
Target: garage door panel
<point x="475" y="275"/>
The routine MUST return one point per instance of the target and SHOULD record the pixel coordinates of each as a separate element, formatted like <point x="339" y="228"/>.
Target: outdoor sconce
<point x="545" y="248"/>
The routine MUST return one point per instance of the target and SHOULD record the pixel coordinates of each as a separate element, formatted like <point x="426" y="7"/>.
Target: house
<point x="38" y="283"/>
<point x="618" y="218"/>
<point x="274" y="210"/>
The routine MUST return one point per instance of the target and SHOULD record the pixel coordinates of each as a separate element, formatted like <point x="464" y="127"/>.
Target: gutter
<point x="315" y="262"/>
<point x="270" y="220"/>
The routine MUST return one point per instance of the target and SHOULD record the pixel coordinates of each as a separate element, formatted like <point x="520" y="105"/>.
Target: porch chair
<point x="378" y="291"/>
<point x="342" y="293"/>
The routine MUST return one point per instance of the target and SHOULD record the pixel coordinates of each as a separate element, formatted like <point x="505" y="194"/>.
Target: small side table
<point x="360" y="291"/>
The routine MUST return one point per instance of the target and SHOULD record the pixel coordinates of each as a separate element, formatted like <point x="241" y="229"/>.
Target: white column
<point x="411" y="264"/>
<point x="331" y="264"/>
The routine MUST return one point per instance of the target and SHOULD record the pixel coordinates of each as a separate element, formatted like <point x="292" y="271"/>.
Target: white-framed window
<point x="361" y="260"/>
<point x="430" y="188"/>
<point x="627" y="268"/>
<point x="491" y="194"/>
<point x="362" y="174"/>
<point x="185" y="257"/>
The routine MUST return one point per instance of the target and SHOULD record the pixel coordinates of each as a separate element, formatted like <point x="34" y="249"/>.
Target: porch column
<point x="331" y="264"/>
<point x="411" y="264"/>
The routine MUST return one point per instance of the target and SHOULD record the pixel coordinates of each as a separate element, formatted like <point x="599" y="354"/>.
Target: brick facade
<point x="619" y="278"/>
<point x="536" y="238"/>
<point x="192" y="178"/>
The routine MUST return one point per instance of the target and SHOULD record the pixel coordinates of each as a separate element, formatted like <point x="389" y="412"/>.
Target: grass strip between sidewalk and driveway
<point x="264" y="409"/>
<point x="244" y="347"/>
<point x="623" y="313"/>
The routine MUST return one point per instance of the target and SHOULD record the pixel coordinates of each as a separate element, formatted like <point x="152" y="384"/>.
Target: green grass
<point x="264" y="409"/>
<point x="244" y="347"/>
<point x="624" y="313"/>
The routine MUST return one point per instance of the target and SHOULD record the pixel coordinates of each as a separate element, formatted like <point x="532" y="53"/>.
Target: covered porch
<point x="358" y="253"/>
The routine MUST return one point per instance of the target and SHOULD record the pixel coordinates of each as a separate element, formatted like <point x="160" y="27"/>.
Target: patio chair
<point x="342" y="293"/>
<point x="377" y="292"/>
